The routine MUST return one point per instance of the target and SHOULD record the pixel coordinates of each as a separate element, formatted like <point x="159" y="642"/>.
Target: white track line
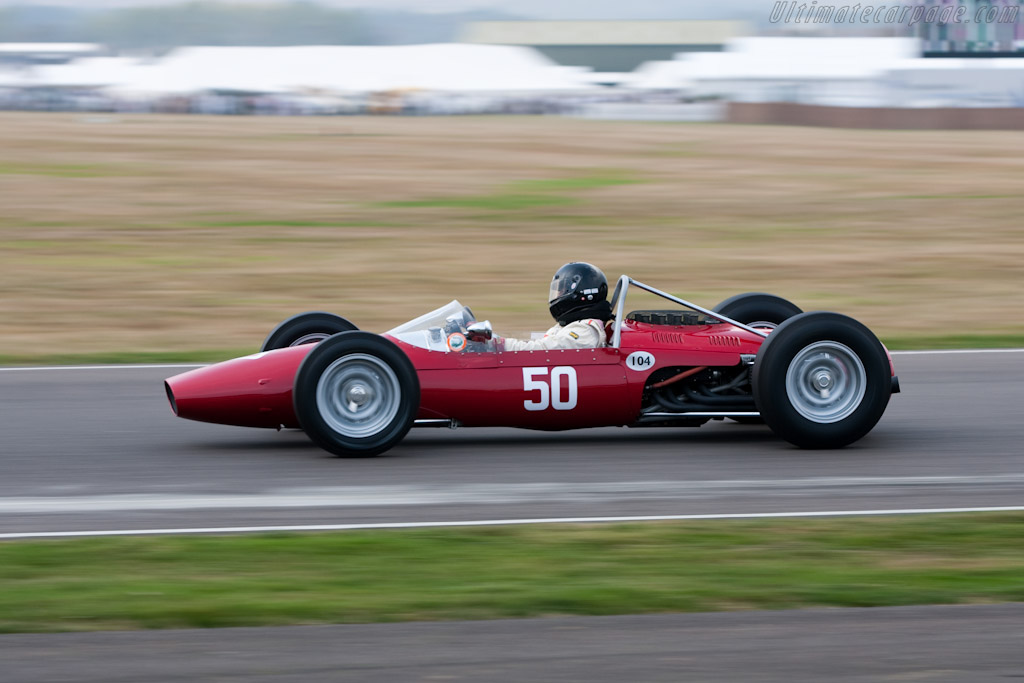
<point x="404" y="495"/>
<point x="493" y="522"/>
<point x="937" y="352"/>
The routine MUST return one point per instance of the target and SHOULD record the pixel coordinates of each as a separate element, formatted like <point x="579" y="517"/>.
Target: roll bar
<point x="619" y="306"/>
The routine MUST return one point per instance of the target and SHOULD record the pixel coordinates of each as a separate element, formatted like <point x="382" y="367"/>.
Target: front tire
<point x="306" y="328"/>
<point x="356" y="394"/>
<point x="821" y="380"/>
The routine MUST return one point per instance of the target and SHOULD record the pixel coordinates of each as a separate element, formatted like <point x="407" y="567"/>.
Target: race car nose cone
<point x="253" y="391"/>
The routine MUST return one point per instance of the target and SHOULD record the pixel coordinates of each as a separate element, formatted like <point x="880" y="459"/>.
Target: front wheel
<point x="356" y="394"/>
<point x="306" y="328"/>
<point x="821" y="380"/>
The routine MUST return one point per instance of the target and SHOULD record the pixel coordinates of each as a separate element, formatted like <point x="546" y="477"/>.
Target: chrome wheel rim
<point x="358" y="395"/>
<point x="826" y="382"/>
<point x="312" y="338"/>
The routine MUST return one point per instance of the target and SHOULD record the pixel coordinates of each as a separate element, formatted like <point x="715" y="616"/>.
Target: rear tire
<point x="763" y="311"/>
<point x="306" y="328"/>
<point x="356" y="394"/>
<point x="821" y="380"/>
<point x="756" y="307"/>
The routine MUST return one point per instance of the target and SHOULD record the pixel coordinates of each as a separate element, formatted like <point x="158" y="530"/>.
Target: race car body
<point x="357" y="393"/>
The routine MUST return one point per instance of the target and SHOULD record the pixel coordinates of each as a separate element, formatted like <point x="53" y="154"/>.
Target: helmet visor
<point x="563" y="285"/>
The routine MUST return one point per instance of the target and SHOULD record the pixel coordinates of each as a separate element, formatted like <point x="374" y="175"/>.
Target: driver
<point x="579" y="303"/>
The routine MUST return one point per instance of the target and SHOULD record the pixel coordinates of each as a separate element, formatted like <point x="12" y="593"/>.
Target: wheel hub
<point x="826" y="382"/>
<point x="312" y="338"/>
<point x="358" y="395"/>
<point x="823" y="380"/>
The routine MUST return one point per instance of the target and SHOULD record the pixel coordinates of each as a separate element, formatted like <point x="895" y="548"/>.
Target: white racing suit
<point x="582" y="334"/>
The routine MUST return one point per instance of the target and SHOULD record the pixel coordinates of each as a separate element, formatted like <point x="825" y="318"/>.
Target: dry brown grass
<point x="162" y="233"/>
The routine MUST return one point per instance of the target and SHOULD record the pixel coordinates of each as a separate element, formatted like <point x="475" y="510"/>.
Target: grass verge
<point x="956" y="341"/>
<point x="525" y="194"/>
<point x="503" y="572"/>
<point x="186" y="232"/>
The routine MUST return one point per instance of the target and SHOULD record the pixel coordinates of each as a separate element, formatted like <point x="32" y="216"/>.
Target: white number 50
<point x="550" y="395"/>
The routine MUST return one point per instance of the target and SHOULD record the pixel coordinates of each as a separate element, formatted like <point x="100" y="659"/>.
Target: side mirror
<point x="480" y="331"/>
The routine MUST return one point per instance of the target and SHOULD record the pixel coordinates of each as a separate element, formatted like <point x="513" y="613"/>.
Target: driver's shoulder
<point x="591" y="323"/>
<point x="587" y="326"/>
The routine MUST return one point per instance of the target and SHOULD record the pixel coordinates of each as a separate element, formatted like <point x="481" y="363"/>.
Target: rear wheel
<point x="306" y="328"/>
<point x="356" y="394"/>
<point x="761" y="311"/>
<point x="758" y="309"/>
<point x="821" y="380"/>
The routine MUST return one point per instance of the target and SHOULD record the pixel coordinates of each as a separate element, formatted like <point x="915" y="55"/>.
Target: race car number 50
<point x="561" y="383"/>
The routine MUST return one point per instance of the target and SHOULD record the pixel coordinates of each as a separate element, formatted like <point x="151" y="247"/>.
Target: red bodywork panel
<point x="252" y="391"/>
<point x="550" y="390"/>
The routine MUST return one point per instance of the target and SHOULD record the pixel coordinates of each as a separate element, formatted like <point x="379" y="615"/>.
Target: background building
<point x="608" y="46"/>
<point x="26" y="54"/>
<point x="988" y="28"/>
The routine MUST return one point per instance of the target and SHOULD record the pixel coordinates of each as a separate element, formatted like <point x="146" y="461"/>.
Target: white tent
<point x="816" y="58"/>
<point x="91" y="72"/>
<point x="772" y="68"/>
<point x="440" y="67"/>
<point x="956" y="82"/>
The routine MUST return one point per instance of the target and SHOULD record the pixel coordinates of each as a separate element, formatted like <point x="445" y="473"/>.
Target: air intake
<point x="725" y="340"/>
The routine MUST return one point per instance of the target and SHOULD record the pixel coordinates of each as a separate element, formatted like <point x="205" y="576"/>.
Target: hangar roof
<point x="603" y="32"/>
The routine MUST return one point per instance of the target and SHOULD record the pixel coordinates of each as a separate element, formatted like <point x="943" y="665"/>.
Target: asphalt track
<point x="99" y="449"/>
<point x="964" y="644"/>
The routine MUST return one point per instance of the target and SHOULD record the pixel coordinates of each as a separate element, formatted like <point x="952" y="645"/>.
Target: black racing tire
<point x="306" y="328"/>
<point x="754" y="307"/>
<point x="757" y="307"/>
<point x="356" y="394"/>
<point x="821" y="380"/>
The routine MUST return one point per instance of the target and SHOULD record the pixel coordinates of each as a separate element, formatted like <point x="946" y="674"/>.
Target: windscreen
<point x="443" y="329"/>
<point x="436" y="318"/>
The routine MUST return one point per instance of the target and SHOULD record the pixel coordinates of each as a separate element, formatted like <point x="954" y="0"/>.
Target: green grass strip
<point x="955" y="341"/>
<point x="290" y="223"/>
<point x="502" y="572"/>
<point x="522" y="195"/>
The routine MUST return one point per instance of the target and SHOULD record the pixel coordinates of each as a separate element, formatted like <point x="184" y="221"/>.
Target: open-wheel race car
<point x="818" y="380"/>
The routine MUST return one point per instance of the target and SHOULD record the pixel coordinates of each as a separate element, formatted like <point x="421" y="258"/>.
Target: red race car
<point x="818" y="380"/>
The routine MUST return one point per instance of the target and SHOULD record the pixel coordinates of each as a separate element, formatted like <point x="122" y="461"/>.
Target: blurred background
<point x="484" y="56"/>
<point x="176" y="177"/>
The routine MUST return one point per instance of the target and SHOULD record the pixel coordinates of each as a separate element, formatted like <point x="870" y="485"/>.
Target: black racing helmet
<point x="576" y="285"/>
